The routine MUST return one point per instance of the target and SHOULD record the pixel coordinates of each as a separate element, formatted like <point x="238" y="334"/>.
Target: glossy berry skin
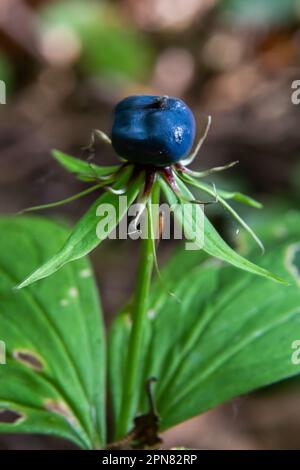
<point x="153" y="130"/>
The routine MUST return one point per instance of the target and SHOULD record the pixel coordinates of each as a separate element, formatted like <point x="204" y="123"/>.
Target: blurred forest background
<point x="67" y="62"/>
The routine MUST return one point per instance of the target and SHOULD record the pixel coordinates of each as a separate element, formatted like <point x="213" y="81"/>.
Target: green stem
<point x="139" y="311"/>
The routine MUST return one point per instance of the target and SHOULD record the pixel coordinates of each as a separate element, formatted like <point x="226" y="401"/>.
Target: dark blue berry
<point x="153" y="130"/>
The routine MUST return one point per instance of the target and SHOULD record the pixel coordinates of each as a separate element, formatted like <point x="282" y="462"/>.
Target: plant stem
<point x="139" y="311"/>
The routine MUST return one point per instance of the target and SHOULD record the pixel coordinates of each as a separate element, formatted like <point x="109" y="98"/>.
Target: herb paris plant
<point x="231" y="333"/>
<point x="161" y="131"/>
<point x="152" y="136"/>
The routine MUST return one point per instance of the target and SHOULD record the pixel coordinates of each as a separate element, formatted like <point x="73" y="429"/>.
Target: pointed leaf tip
<point x="212" y="243"/>
<point x="85" y="236"/>
<point x="81" y="168"/>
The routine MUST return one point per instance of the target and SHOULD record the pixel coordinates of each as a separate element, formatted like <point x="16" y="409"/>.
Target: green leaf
<point x="273" y="228"/>
<point x="230" y="333"/>
<point x="212" y="243"/>
<point x="220" y="198"/>
<point x="234" y="195"/>
<point x="54" y="377"/>
<point x="85" y="236"/>
<point x="239" y="197"/>
<point x="63" y="201"/>
<point x="83" y="169"/>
